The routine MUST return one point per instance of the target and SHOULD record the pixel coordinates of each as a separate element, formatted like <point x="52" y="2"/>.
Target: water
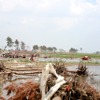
<point x="18" y="80"/>
<point x="58" y="59"/>
<point x="67" y="60"/>
<point x="93" y="78"/>
<point x="94" y="75"/>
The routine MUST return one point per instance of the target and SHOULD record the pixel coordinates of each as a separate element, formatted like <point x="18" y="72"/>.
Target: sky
<point x="63" y="24"/>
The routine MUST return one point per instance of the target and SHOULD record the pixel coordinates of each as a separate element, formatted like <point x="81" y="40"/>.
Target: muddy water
<point x="58" y="59"/>
<point x="18" y="79"/>
<point x="67" y="60"/>
<point x="93" y="78"/>
<point x="94" y="75"/>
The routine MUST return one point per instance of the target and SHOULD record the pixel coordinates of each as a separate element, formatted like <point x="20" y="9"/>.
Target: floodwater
<point x="94" y="75"/>
<point x="59" y="59"/>
<point x="18" y="79"/>
<point x="93" y="78"/>
<point x="67" y="60"/>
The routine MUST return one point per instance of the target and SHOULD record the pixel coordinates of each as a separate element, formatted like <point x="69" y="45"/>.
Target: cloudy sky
<point x="60" y="23"/>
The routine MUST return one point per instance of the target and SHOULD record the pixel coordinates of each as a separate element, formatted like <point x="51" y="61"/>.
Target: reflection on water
<point x="67" y="60"/>
<point x="95" y="81"/>
<point x="58" y="59"/>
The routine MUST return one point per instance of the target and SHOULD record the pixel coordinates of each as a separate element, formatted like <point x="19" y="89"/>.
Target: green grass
<point x="74" y="55"/>
<point x="63" y="55"/>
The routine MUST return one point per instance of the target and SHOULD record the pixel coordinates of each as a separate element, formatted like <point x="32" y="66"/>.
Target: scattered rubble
<point x="9" y="54"/>
<point x="86" y="58"/>
<point x="55" y="84"/>
<point x="2" y="98"/>
<point x="82" y="69"/>
<point x="2" y="67"/>
<point x="24" y="91"/>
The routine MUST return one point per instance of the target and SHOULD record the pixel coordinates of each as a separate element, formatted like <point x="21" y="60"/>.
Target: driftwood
<point x="25" y="73"/>
<point x="25" y="91"/>
<point x="2" y="66"/>
<point x="53" y="86"/>
<point x="44" y="78"/>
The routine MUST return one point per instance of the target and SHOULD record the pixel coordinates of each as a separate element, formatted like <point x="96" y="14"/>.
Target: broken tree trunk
<point x="44" y="78"/>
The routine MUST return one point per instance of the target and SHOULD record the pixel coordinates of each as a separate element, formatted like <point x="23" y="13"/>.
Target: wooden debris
<point x="53" y="85"/>
<point x="2" y="66"/>
<point x="25" y="91"/>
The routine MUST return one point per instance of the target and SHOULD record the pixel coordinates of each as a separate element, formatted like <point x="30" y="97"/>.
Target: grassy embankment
<point x="65" y="55"/>
<point x="76" y="55"/>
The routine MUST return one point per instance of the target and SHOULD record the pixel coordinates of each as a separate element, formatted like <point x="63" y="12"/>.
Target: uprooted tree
<point x="53" y="85"/>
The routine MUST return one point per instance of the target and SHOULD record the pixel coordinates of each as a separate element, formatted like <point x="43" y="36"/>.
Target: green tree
<point x="44" y="48"/>
<point x="35" y="47"/>
<point x="54" y="49"/>
<point x="41" y="47"/>
<point x="9" y="42"/>
<point x="81" y="50"/>
<point x="22" y="45"/>
<point x="97" y="52"/>
<point x="73" y="50"/>
<point x="17" y="44"/>
<point x="50" y="49"/>
<point x="0" y="50"/>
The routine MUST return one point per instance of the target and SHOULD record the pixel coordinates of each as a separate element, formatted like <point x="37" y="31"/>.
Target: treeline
<point x="20" y="45"/>
<point x="44" y="48"/>
<point x="17" y="44"/>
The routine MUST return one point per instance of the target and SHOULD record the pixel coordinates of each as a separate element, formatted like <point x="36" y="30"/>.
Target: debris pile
<point x="2" y="98"/>
<point x="55" y="84"/>
<point x="24" y="91"/>
<point x="7" y="54"/>
<point x="86" y="58"/>
<point x="75" y="88"/>
<point x="2" y="66"/>
<point x="60" y="68"/>
<point x="82" y="69"/>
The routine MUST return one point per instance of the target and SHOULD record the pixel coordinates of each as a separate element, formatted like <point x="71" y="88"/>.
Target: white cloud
<point x="7" y="5"/>
<point x="65" y="23"/>
<point x="75" y="9"/>
<point x="80" y="8"/>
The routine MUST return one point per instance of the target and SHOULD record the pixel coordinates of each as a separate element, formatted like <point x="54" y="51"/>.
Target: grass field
<point x="61" y="55"/>
<point x="74" y="55"/>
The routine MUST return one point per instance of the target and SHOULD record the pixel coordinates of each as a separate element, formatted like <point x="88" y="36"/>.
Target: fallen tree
<point x="53" y="86"/>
